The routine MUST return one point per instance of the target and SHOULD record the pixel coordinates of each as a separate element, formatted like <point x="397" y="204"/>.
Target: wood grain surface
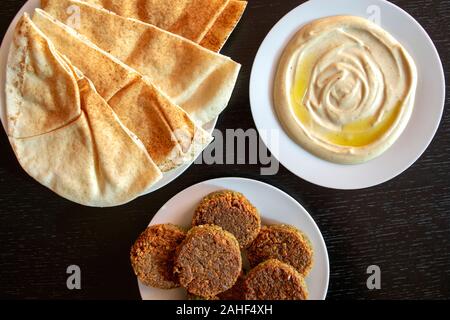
<point x="403" y="225"/>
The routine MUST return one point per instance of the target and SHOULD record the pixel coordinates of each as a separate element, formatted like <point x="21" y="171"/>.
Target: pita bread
<point x="39" y="97"/>
<point x="190" y="19"/>
<point x="199" y="81"/>
<point x="93" y="160"/>
<point x="223" y="27"/>
<point x="168" y="133"/>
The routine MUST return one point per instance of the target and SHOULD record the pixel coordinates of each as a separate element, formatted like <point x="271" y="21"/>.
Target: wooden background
<point x="403" y="225"/>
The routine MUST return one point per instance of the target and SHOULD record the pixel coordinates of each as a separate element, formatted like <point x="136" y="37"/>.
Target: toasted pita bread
<point x="190" y="19"/>
<point x="223" y="27"/>
<point x="93" y="160"/>
<point x="39" y="97"/>
<point x="141" y="107"/>
<point x="199" y="81"/>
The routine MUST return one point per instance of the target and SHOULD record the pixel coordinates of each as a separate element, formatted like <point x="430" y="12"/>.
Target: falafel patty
<point x="233" y="294"/>
<point x="208" y="261"/>
<point x="236" y="292"/>
<point x="152" y="255"/>
<point x="274" y="280"/>
<point x="285" y="243"/>
<point x="233" y="212"/>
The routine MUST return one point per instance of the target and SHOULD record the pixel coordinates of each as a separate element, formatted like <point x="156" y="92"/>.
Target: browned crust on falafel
<point x="285" y="243"/>
<point x="152" y="255"/>
<point x="275" y="280"/>
<point x="233" y="212"/>
<point x="236" y="292"/>
<point x="208" y="262"/>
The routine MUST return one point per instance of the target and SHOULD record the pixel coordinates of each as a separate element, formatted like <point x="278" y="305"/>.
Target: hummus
<point x="345" y="89"/>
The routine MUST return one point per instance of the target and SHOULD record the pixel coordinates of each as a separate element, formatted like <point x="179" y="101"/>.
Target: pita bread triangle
<point x="169" y="134"/>
<point x="93" y="160"/>
<point x="190" y="19"/>
<point x="199" y="81"/>
<point x="219" y="33"/>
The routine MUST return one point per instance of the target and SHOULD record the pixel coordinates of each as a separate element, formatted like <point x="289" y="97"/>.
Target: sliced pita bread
<point x="40" y="97"/>
<point x="141" y="107"/>
<point x="199" y="81"/>
<point x="223" y="27"/>
<point x="93" y="160"/>
<point x="190" y="19"/>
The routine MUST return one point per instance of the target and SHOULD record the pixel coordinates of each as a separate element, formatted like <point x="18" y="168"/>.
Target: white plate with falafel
<point x="231" y="239"/>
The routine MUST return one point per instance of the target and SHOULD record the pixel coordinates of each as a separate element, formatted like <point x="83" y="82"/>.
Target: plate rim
<point x="273" y="188"/>
<point x="335" y="185"/>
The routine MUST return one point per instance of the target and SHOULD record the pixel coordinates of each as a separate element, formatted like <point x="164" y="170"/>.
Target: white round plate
<point x="415" y="139"/>
<point x="29" y="7"/>
<point x="275" y="207"/>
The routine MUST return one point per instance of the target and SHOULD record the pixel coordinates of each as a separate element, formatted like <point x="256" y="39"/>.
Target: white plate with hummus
<point x="355" y="90"/>
<point x="270" y="202"/>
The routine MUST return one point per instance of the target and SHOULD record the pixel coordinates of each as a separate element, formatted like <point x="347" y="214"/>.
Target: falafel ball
<point x="152" y="255"/>
<point x="285" y="243"/>
<point x="275" y="280"/>
<point x="233" y="212"/>
<point x="208" y="261"/>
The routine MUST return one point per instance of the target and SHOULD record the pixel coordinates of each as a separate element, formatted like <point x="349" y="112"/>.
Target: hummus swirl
<point x="345" y="89"/>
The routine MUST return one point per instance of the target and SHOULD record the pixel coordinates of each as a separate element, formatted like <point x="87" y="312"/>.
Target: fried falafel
<point x="285" y="243"/>
<point x="234" y="294"/>
<point x="233" y="212"/>
<point x="152" y="255"/>
<point x="274" y="280"/>
<point x="208" y="261"/>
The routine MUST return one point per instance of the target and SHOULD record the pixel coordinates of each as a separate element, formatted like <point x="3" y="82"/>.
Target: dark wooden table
<point x="403" y="226"/>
